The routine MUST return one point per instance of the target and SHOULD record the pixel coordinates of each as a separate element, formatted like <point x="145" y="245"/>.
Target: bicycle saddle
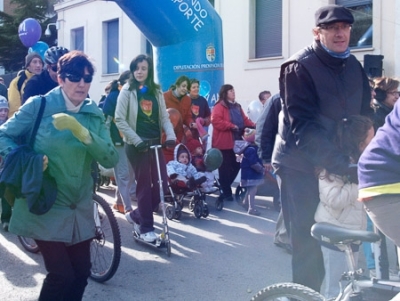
<point x="333" y="234"/>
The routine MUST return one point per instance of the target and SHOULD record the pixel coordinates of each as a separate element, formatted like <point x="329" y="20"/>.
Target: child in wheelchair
<point x="181" y="172"/>
<point x="197" y="153"/>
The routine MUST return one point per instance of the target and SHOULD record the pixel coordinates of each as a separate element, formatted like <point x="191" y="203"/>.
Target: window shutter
<point x="268" y="28"/>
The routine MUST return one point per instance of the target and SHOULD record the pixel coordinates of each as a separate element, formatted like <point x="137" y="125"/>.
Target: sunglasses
<point x="74" y="78"/>
<point x="54" y="68"/>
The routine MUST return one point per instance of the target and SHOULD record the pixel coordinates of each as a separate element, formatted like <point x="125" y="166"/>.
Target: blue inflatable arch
<point x="187" y="40"/>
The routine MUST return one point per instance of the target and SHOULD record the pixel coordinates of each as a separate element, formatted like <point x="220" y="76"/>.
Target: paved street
<point x="227" y="256"/>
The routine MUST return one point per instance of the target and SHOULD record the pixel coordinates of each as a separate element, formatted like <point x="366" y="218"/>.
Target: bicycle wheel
<point x="105" y="249"/>
<point x="29" y="244"/>
<point x="288" y="291"/>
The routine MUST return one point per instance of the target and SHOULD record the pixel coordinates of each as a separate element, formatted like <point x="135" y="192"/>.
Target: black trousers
<point x="300" y="198"/>
<point x="147" y="184"/>
<point x="68" y="269"/>
<point x="228" y="171"/>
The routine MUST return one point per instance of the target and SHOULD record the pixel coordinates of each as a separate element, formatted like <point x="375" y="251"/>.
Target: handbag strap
<point x="38" y="120"/>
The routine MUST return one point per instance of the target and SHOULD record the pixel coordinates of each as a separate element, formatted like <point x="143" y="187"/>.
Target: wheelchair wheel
<point x="170" y="212"/>
<point x="178" y="215"/>
<point x="105" y="249"/>
<point x="205" y="212"/>
<point x="198" y="210"/>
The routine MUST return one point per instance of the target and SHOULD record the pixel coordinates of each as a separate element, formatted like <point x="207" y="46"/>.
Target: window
<point x="77" y="39"/>
<point x="268" y="28"/>
<point x="111" y="43"/>
<point x="361" y="32"/>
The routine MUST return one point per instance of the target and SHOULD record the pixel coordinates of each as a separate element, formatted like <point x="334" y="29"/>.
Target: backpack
<point x="21" y="80"/>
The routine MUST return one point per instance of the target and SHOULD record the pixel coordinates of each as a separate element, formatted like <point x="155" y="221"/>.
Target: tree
<point x="12" y="51"/>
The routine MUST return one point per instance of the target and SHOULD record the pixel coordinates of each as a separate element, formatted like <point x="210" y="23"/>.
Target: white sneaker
<point x="128" y="218"/>
<point x="149" y="236"/>
<point x="136" y="228"/>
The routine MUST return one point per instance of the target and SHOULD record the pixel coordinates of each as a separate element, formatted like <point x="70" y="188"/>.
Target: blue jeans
<point x="125" y="178"/>
<point x="367" y="247"/>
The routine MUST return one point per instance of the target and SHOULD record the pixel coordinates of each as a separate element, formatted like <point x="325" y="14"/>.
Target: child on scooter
<point x="338" y="197"/>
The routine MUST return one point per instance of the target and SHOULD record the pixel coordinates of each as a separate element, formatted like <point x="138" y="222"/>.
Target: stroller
<point x="195" y="193"/>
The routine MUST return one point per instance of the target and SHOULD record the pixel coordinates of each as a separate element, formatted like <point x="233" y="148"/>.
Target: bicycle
<point x="105" y="249"/>
<point x="356" y="283"/>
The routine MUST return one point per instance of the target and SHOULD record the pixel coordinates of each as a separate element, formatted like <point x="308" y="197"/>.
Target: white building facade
<point x="258" y="36"/>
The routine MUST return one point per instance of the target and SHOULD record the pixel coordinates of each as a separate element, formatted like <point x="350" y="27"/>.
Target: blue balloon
<point x="40" y="48"/>
<point x="205" y="88"/>
<point x="29" y="32"/>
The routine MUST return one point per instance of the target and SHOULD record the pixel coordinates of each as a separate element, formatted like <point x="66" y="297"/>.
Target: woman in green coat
<point x="71" y="135"/>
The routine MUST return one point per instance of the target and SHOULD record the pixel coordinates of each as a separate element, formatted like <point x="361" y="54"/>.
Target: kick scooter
<point x="162" y="242"/>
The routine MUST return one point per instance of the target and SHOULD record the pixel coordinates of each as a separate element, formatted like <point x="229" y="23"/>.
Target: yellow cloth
<point x="369" y="192"/>
<point x="14" y="97"/>
<point x="64" y="121"/>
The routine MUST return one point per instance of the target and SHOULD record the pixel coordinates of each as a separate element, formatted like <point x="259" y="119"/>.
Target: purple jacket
<point x="379" y="164"/>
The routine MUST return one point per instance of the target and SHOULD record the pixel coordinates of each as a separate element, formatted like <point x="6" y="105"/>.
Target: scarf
<point x="339" y="55"/>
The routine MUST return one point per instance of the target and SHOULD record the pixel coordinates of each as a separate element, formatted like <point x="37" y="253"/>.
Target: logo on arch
<point x="210" y="53"/>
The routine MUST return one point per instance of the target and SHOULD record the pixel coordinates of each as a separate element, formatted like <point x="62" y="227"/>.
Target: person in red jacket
<point x="177" y="97"/>
<point x="228" y="120"/>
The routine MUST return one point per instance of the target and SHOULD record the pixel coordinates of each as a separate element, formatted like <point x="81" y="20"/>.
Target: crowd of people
<point x="327" y="144"/>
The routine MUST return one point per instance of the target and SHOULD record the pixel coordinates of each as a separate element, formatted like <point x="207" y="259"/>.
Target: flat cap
<point x="333" y="13"/>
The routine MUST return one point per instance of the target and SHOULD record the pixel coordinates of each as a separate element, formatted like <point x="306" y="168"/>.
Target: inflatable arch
<point x="187" y="40"/>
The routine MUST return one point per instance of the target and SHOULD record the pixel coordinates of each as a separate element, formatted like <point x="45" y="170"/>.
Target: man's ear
<point x="316" y="32"/>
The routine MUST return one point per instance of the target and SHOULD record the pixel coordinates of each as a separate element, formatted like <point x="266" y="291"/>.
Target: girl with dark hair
<point x="177" y="97"/>
<point x="228" y="120"/>
<point x="141" y="116"/>
<point x="338" y="197"/>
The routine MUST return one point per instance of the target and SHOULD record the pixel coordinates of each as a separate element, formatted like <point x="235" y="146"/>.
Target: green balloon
<point x="213" y="159"/>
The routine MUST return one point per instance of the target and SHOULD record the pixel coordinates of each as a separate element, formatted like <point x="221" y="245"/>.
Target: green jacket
<point x="70" y="220"/>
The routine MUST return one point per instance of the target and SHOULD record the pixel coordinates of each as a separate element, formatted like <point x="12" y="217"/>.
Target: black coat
<point x="38" y="85"/>
<point x="317" y="90"/>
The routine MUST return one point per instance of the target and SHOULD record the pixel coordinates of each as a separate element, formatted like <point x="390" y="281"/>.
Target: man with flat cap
<point x="319" y="85"/>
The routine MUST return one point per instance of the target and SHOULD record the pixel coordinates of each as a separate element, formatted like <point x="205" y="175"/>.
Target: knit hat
<point x="30" y="57"/>
<point x="249" y="135"/>
<point x="333" y="13"/>
<point x="192" y="144"/>
<point x="3" y="103"/>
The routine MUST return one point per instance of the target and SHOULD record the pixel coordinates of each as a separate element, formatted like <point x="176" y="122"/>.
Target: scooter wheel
<point x="219" y="204"/>
<point x="206" y="212"/>
<point x="170" y="212"/>
<point x="198" y="210"/>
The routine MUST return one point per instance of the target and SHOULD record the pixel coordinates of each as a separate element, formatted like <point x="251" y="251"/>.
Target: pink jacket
<point x="222" y="137"/>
